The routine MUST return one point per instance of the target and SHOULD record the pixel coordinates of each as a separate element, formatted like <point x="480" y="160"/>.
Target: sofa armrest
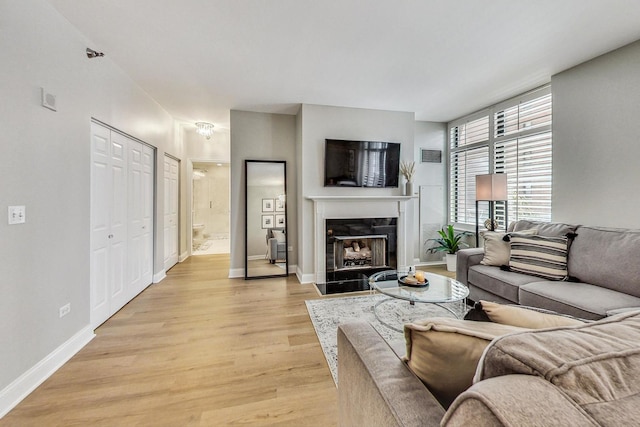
<point x="515" y="400"/>
<point x="375" y="387"/>
<point x="465" y="259"/>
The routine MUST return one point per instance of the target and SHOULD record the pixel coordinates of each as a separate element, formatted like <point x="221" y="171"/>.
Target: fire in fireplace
<point x="355" y="249"/>
<point x="357" y="252"/>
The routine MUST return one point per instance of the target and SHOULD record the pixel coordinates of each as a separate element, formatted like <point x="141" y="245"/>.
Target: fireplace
<point x="355" y="249"/>
<point x="353" y="212"/>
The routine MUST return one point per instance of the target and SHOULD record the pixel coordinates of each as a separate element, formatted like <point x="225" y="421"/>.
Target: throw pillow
<point x="496" y="250"/>
<point x="524" y="317"/>
<point x="279" y="236"/>
<point x="444" y="352"/>
<point x="550" y="229"/>
<point x="539" y="256"/>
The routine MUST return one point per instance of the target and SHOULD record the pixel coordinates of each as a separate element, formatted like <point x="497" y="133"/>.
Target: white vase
<point x="451" y="262"/>
<point x="408" y="188"/>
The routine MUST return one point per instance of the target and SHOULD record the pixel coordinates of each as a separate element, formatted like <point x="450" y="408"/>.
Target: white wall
<point x="46" y="166"/>
<point x="430" y="209"/>
<point x="260" y="136"/>
<point x="596" y="126"/>
<point x="318" y="122"/>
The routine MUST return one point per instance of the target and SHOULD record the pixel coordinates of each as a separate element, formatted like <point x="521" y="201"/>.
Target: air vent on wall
<point x="431" y="156"/>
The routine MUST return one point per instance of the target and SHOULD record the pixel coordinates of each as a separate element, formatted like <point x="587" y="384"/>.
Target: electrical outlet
<point x="17" y="215"/>
<point x="290" y="248"/>
<point x="65" y="309"/>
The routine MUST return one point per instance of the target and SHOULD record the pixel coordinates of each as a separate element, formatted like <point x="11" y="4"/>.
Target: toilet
<point x="197" y="232"/>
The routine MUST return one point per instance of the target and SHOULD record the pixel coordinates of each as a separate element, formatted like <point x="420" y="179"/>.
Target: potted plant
<point x="449" y="242"/>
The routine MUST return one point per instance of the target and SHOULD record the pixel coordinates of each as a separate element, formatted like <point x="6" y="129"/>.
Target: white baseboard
<point x="255" y="257"/>
<point x="235" y="273"/>
<point x="159" y="276"/>
<point x="305" y="278"/>
<point x="30" y="380"/>
<point x="292" y="269"/>
<point x="183" y="256"/>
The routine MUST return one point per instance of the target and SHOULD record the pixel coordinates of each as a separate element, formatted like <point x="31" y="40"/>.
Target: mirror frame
<point x="246" y="217"/>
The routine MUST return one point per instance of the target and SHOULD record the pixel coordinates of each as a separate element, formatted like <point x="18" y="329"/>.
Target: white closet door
<point x="108" y="223"/>
<point x="118" y="209"/>
<point x="171" y="180"/>
<point x="121" y="221"/>
<point x="140" y="203"/>
<point x="148" y="168"/>
<point x="100" y="223"/>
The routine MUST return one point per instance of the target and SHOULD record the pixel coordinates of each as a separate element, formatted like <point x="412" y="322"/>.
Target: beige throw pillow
<point x="525" y="318"/>
<point x="496" y="251"/>
<point x="444" y="352"/>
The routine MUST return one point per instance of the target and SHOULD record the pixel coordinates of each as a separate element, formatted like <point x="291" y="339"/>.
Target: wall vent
<point x="431" y="156"/>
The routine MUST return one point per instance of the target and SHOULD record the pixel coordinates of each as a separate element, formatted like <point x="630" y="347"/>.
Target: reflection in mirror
<point x="266" y="243"/>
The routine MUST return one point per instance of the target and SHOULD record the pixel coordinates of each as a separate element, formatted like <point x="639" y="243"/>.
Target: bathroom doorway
<point x="210" y="208"/>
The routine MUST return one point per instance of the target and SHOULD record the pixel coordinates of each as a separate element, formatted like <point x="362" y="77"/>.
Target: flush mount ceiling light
<point x="205" y="129"/>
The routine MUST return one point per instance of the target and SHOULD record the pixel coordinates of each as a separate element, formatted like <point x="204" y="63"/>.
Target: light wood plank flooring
<point x="197" y="349"/>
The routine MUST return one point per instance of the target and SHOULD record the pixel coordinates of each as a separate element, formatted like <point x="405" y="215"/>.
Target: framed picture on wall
<point x="267" y="221"/>
<point x="279" y="205"/>
<point x="267" y="205"/>
<point x="280" y="220"/>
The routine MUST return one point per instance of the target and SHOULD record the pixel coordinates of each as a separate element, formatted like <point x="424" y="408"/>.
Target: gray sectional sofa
<point x="589" y="381"/>
<point x="603" y="273"/>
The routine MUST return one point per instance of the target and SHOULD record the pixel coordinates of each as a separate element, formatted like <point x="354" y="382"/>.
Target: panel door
<point x="140" y="206"/>
<point x="171" y="182"/>
<point x="122" y="174"/>
<point x="118" y="283"/>
<point x="100" y="223"/>
<point x="148" y="169"/>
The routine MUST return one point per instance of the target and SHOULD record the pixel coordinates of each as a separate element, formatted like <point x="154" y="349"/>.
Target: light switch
<point x="17" y="215"/>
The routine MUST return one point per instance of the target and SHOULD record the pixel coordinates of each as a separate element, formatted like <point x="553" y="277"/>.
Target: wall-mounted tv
<point x="361" y="163"/>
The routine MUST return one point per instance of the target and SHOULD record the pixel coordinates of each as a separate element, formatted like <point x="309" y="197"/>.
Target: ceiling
<point x="440" y="59"/>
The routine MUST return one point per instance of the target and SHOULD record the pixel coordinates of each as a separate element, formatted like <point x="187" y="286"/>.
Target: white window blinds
<point x="513" y="137"/>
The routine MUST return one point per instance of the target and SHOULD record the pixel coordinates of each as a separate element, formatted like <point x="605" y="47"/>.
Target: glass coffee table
<point x="439" y="290"/>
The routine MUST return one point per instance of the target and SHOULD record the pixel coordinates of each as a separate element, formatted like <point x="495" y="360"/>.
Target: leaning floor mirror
<point x="266" y="253"/>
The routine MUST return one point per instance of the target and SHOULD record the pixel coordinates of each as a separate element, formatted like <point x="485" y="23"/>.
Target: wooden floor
<point x="197" y="349"/>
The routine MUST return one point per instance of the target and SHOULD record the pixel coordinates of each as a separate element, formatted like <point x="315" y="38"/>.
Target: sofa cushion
<point x="607" y="257"/>
<point x="550" y="229"/>
<point x="279" y="236"/>
<point x="539" y="256"/>
<point x="596" y="365"/>
<point x="497" y="250"/>
<point x="582" y="300"/>
<point x="525" y="317"/>
<point x="498" y="282"/>
<point x="444" y="352"/>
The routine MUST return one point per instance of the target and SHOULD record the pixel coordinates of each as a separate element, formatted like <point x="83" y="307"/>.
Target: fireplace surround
<point x="365" y="217"/>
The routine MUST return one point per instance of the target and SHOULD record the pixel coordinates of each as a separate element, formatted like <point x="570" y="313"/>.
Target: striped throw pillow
<point x="539" y="256"/>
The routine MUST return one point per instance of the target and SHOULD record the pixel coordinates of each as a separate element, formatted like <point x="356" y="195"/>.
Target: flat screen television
<point x="361" y="163"/>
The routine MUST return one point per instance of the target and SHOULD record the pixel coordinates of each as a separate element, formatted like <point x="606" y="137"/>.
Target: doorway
<point x="210" y="206"/>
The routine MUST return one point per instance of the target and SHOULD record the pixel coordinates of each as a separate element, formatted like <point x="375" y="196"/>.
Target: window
<point x="513" y="137"/>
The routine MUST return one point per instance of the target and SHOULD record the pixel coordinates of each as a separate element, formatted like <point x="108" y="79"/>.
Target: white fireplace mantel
<point x="344" y="207"/>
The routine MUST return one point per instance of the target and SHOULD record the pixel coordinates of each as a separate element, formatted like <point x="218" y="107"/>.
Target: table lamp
<point x="492" y="188"/>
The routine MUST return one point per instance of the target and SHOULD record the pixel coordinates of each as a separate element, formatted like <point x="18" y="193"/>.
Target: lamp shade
<point x="491" y="187"/>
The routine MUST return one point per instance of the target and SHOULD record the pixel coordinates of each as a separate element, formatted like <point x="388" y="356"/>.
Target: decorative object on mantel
<point x="491" y="188"/>
<point x="449" y="242"/>
<point x="407" y="169"/>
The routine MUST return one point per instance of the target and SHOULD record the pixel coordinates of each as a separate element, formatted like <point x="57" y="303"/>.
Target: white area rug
<point x="326" y="314"/>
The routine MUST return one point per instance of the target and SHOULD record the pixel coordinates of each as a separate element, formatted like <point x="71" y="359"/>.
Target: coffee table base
<point x="375" y="310"/>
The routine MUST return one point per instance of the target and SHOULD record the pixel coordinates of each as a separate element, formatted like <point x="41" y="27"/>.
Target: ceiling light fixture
<point x="205" y="129"/>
